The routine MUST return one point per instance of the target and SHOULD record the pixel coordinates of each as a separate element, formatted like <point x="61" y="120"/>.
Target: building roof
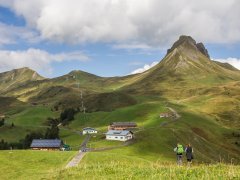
<point x="118" y="132"/>
<point x="88" y="128"/>
<point x="132" y="124"/>
<point x="46" y="143"/>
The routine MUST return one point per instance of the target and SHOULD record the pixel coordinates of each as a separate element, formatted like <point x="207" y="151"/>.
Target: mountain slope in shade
<point x="16" y="77"/>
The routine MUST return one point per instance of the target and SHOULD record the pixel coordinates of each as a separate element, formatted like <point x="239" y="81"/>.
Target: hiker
<point x="189" y="154"/>
<point x="179" y="150"/>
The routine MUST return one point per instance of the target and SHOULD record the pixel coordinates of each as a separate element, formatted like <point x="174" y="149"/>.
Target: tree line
<point x="65" y="117"/>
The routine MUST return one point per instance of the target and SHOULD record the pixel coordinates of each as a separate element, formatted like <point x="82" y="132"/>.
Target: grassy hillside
<point x="17" y="77"/>
<point x="118" y="166"/>
<point x="101" y="165"/>
<point x="155" y="137"/>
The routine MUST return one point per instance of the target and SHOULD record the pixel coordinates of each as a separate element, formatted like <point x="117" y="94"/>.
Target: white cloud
<point x="233" y="61"/>
<point x="150" y="22"/>
<point x="133" y="46"/>
<point x="144" y="68"/>
<point x="10" y="34"/>
<point x="36" y="59"/>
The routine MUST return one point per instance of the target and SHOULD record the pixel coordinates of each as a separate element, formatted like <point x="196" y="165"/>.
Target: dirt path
<point x="84" y="143"/>
<point x="174" y="118"/>
<point x="76" y="160"/>
<point x="177" y="116"/>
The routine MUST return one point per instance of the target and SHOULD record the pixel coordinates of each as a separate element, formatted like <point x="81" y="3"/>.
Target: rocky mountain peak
<point x="188" y="40"/>
<point x="202" y="49"/>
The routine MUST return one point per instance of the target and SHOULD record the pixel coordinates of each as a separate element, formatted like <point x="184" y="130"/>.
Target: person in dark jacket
<point x="189" y="154"/>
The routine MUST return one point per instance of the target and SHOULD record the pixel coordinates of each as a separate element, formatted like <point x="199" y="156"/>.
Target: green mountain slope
<point x="12" y="79"/>
<point x="185" y="65"/>
<point x="204" y="92"/>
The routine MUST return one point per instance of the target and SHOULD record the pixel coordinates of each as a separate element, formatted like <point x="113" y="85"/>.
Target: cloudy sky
<point x="111" y="37"/>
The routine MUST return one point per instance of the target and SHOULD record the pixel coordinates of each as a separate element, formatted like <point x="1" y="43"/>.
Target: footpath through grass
<point x="110" y="166"/>
<point x="29" y="164"/>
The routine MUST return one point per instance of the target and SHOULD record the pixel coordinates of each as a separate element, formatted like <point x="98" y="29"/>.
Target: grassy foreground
<point x="29" y="164"/>
<point x="124" y="170"/>
<point x="113" y="166"/>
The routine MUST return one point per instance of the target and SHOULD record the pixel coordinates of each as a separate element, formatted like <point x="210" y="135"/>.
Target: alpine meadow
<point x="137" y="126"/>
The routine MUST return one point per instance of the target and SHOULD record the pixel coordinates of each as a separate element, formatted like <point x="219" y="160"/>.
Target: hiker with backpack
<point x="179" y="150"/>
<point x="189" y="154"/>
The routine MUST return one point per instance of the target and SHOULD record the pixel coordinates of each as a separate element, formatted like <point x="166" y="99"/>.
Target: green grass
<point x="27" y="164"/>
<point x="17" y="133"/>
<point x="32" y="116"/>
<point x="145" y="114"/>
<point x="29" y="119"/>
<point x="99" y="141"/>
<point x="71" y="138"/>
<point x="101" y="165"/>
<point x="151" y="139"/>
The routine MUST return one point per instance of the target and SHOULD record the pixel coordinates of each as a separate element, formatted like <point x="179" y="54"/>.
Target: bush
<point x="3" y="145"/>
<point x="26" y="143"/>
<point x="52" y="121"/>
<point x="67" y="115"/>
<point x="52" y="133"/>
<point x="2" y="122"/>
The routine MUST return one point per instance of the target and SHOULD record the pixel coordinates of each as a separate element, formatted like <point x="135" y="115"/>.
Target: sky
<point x="111" y="37"/>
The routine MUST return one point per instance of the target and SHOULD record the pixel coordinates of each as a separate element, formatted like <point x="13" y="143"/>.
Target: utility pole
<point x="83" y="108"/>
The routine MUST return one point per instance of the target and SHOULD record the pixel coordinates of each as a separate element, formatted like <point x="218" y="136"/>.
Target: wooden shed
<point x="46" y="144"/>
<point x="122" y="125"/>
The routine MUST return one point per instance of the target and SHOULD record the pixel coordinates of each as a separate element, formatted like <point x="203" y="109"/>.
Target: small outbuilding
<point x="119" y="135"/>
<point x="165" y="115"/>
<point x="89" y="130"/>
<point x="2" y="116"/>
<point x="122" y="126"/>
<point x="46" y="144"/>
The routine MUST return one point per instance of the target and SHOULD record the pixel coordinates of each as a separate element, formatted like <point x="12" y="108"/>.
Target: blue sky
<point x="111" y="37"/>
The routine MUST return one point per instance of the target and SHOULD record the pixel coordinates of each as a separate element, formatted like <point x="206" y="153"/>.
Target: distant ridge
<point x="12" y="79"/>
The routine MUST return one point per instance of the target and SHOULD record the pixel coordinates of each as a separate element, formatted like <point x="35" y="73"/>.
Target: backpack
<point x="180" y="149"/>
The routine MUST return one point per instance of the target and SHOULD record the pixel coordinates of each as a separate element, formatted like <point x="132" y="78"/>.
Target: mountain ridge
<point x="185" y="63"/>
